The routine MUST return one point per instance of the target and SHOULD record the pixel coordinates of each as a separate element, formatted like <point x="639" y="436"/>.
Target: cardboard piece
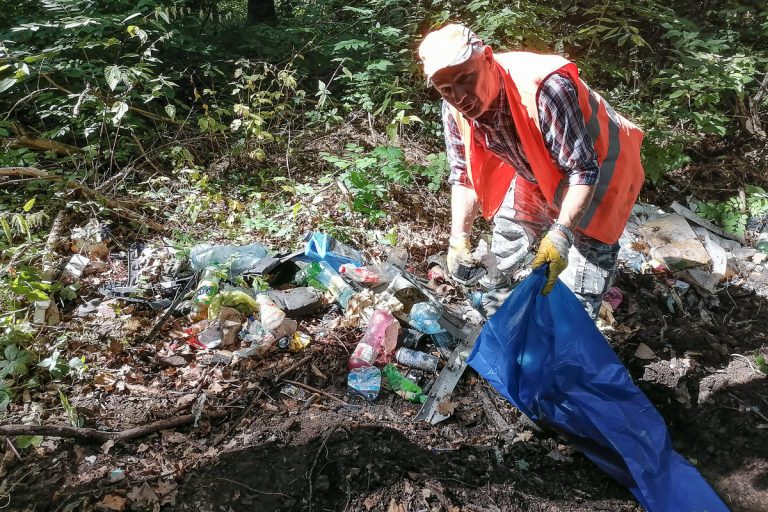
<point x="674" y="243"/>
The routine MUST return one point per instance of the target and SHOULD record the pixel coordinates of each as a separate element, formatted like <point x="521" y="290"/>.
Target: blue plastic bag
<point x="545" y="355"/>
<point x="323" y="247"/>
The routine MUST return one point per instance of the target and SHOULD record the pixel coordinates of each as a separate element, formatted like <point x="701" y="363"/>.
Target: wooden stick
<point x="100" y="436"/>
<point x="310" y="388"/>
<point x="292" y="367"/>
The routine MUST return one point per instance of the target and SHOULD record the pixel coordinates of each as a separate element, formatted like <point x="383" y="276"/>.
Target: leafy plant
<point x="734" y="213"/>
<point x="74" y="419"/>
<point x="15" y="362"/>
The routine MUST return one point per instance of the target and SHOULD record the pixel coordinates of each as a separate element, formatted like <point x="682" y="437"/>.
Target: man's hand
<point x="553" y="249"/>
<point x="459" y="252"/>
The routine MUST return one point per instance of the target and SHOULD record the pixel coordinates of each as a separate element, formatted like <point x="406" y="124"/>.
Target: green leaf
<point x="29" y="204"/>
<point x="27" y="441"/>
<point x="113" y="74"/>
<point x="7" y="83"/>
<point x="15" y="362"/>
<point x="119" y="108"/>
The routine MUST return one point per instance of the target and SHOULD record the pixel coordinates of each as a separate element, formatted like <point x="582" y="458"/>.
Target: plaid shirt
<point x="562" y="125"/>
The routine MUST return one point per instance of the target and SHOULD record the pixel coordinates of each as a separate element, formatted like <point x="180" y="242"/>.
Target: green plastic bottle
<point x="402" y="386"/>
<point x="307" y="276"/>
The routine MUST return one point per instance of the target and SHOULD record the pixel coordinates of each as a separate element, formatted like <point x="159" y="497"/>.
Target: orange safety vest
<point x="617" y="144"/>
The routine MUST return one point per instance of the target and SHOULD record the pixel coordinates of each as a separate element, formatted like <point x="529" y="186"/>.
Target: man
<point x="533" y="147"/>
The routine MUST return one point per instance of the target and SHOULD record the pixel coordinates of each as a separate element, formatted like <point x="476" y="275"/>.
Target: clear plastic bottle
<point x="425" y="316"/>
<point x="378" y="342"/>
<point x="331" y="279"/>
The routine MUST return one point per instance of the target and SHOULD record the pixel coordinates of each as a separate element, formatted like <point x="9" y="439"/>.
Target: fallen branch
<point x="293" y="367"/>
<point x="99" y="436"/>
<point x="32" y="142"/>
<point x="120" y="208"/>
<point x="315" y="390"/>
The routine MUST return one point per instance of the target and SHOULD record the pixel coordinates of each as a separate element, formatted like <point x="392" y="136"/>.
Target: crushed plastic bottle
<point x="337" y="287"/>
<point x="237" y="258"/>
<point x="424" y="317"/>
<point x="378" y="342"/>
<point x="402" y="386"/>
<point x="365" y="382"/>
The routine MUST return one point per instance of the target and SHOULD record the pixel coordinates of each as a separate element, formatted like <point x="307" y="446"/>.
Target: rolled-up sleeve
<point x="454" y="148"/>
<point x="565" y="132"/>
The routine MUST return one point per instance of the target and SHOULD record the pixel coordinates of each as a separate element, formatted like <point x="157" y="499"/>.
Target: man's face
<point x="472" y="86"/>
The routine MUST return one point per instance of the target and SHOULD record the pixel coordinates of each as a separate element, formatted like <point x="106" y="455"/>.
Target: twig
<point x="94" y="435"/>
<point x="747" y="360"/>
<point x="251" y="488"/>
<point x="121" y="208"/>
<point x="314" y="463"/>
<point x="13" y="448"/>
<point x="292" y="367"/>
<point x="314" y="390"/>
<point x="235" y="423"/>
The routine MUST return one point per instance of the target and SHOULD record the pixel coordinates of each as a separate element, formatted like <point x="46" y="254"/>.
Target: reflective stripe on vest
<point x="616" y="140"/>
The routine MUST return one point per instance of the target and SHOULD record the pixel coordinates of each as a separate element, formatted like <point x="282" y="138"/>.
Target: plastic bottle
<point x="445" y="343"/>
<point x="365" y="382"/>
<point x="402" y="386"/>
<point x="206" y="289"/>
<point x="378" y="342"/>
<point x="424" y="317"/>
<point x="270" y="315"/>
<point x="331" y="279"/>
<point x="416" y="359"/>
<point x="307" y="276"/>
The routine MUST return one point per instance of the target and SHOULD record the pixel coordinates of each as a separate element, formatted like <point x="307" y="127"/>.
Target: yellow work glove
<point x="459" y="251"/>
<point x="553" y="250"/>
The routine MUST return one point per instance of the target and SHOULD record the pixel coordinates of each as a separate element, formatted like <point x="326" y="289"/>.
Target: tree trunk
<point x="261" y="11"/>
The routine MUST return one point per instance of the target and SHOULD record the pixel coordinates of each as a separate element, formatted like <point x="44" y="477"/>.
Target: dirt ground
<point x="265" y="450"/>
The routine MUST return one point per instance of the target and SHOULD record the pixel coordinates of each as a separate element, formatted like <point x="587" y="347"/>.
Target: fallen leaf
<point x="112" y="502"/>
<point x="142" y="496"/>
<point x="645" y="352"/>
<point x="523" y="436"/>
<point x="107" y="446"/>
<point x="370" y="502"/>
<point x="395" y="506"/>
<point x="556" y="455"/>
<point x="446" y="407"/>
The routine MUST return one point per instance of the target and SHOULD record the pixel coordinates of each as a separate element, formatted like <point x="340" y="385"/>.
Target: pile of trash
<point x="238" y="303"/>
<point x="688" y="252"/>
